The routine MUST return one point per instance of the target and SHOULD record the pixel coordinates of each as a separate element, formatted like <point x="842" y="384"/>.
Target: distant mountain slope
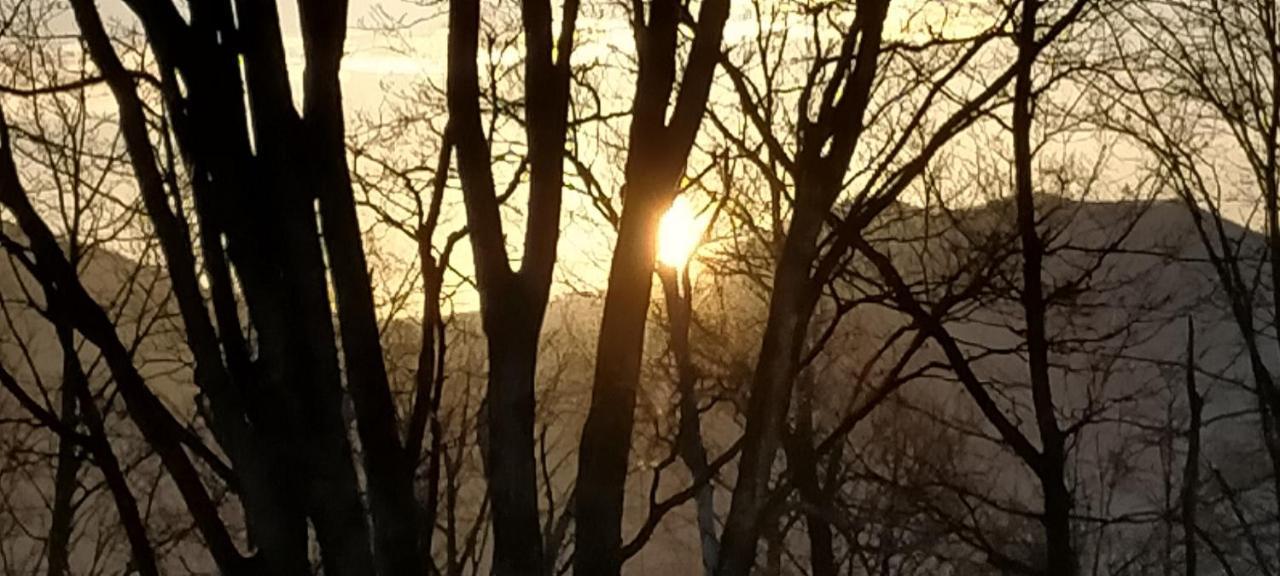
<point x="1119" y="363"/>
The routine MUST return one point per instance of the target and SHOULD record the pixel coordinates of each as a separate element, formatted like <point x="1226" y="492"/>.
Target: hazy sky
<point x="380" y="67"/>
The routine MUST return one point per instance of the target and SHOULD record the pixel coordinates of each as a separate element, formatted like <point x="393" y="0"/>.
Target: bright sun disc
<point x="678" y="233"/>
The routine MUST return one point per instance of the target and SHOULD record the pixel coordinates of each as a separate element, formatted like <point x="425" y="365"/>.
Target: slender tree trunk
<point x="297" y="341"/>
<point x="273" y="238"/>
<point x="1191" y="472"/>
<point x="825" y="151"/>
<point x="77" y="385"/>
<point x="319" y="430"/>
<point x="157" y="425"/>
<point x="388" y="470"/>
<point x="1060" y="556"/>
<point x="802" y="463"/>
<point x="774" y="547"/>
<point x="64" y="484"/>
<point x="513" y="302"/>
<point x="428" y="387"/>
<point x="790" y="310"/>
<point x="68" y="469"/>
<point x="227" y="416"/>
<point x="1271" y="197"/>
<point x="313" y="426"/>
<point x="216" y="143"/>
<point x="693" y="452"/>
<point x="226" y="187"/>
<point x="1166" y="451"/>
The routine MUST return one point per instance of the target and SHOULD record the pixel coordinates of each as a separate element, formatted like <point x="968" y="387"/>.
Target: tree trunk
<point x="1271" y="202"/>
<point x="790" y="309"/>
<point x="512" y="466"/>
<point x="429" y="380"/>
<point x="606" y="437"/>
<point x="279" y="536"/>
<point x="826" y="149"/>
<point x="1060" y="556"/>
<point x="157" y="425"/>
<point x="77" y="385"/>
<point x="388" y="470"/>
<point x="212" y="134"/>
<point x="693" y="452"/>
<point x="288" y="295"/>
<point x="656" y="154"/>
<point x="1191" y="473"/>
<point x="68" y="468"/>
<point x="513" y="302"/>
<point x="802" y="464"/>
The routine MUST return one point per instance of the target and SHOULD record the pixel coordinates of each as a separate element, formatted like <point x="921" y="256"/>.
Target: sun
<point x="679" y="233"/>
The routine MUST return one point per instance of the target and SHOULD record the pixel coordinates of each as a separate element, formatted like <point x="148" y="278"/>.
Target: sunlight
<point x="679" y="233"/>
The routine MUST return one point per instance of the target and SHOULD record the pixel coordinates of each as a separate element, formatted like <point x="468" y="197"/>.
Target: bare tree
<point x="925" y="341"/>
<point x="825" y="147"/>
<point x="64" y="151"/>
<point x="1060" y="557"/>
<point x="1202" y="105"/>
<point x="657" y="151"/>
<point x="1191" y="470"/>
<point x="513" y="302"/>
<point x="290" y="449"/>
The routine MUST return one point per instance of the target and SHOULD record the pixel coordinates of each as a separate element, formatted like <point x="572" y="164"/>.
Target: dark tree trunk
<point x="656" y="156"/>
<point x="76" y="384"/>
<point x="1060" y="559"/>
<point x="62" y="518"/>
<point x="282" y="268"/>
<point x="790" y="309"/>
<point x="279" y="418"/>
<point x="512" y="336"/>
<point x="284" y="282"/>
<point x="157" y="425"/>
<point x="802" y="465"/>
<point x="1191" y="473"/>
<point x="604" y="451"/>
<point x="512" y="302"/>
<point x="216" y="144"/>
<point x="429" y="376"/>
<point x="226" y="400"/>
<point x="388" y="470"/>
<point x="677" y="288"/>
<point x="511" y="463"/>
<point x="511" y="330"/>
<point x="819" y="178"/>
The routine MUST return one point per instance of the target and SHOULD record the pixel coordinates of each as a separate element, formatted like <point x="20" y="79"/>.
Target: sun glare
<point x="679" y="232"/>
